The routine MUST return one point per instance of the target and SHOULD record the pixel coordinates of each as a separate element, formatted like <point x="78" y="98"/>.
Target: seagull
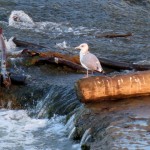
<point x="88" y="60"/>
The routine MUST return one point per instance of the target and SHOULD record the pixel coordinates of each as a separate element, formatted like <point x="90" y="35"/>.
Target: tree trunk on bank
<point x="96" y="89"/>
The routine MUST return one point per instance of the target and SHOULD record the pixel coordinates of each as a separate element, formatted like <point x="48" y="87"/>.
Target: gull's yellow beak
<point x="77" y="48"/>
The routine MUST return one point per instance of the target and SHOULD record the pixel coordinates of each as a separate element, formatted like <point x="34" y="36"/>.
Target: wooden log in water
<point x="60" y="61"/>
<point x="73" y="61"/>
<point x="20" y="43"/>
<point x="116" y="65"/>
<point x="113" y="35"/>
<point x="96" y="89"/>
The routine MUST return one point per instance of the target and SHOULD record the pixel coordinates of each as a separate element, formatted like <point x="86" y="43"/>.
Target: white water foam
<point x="10" y="45"/>
<point x="62" y="45"/>
<point x="18" y="131"/>
<point x="19" y="19"/>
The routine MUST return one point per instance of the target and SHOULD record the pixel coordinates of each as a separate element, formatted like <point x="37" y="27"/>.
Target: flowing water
<point x="61" y="24"/>
<point x="19" y="132"/>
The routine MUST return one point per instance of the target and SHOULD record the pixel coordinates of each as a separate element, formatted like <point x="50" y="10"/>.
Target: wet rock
<point x="114" y="128"/>
<point x="85" y="147"/>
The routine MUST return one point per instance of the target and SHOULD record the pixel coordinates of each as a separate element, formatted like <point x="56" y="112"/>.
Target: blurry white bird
<point x="88" y="60"/>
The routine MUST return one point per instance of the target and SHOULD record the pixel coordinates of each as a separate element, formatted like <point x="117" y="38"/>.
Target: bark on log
<point x="96" y="89"/>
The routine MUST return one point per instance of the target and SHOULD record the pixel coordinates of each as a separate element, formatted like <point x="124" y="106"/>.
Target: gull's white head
<point x="83" y="47"/>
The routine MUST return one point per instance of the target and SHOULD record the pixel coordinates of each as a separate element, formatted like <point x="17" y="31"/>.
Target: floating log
<point x="113" y="35"/>
<point x="56" y="60"/>
<point x="96" y="89"/>
<point x="116" y="65"/>
<point x="73" y="61"/>
<point x="20" y="43"/>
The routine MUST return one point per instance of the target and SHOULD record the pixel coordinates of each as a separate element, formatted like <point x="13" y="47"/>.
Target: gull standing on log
<point x="88" y="60"/>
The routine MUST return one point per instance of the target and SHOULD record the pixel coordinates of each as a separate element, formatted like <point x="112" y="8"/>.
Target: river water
<point x="66" y="24"/>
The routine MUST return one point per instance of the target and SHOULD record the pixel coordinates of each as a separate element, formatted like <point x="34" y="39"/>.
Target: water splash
<point x="86" y="136"/>
<point x="10" y="45"/>
<point x="19" y="131"/>
<point x="19" y="19"/>
<point x="62" y="45"/>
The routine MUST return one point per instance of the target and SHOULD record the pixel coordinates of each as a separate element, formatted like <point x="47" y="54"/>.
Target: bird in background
<point x="88" y="60"/>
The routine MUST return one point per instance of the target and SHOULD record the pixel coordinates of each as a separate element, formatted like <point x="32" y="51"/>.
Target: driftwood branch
<point x="74" y="63"/>
<point x="6" y="78"/>
<point x="60" y="61"/>
<point x="51" y="56"/>
<point x="20" y="43"/>
<point x="4" y="73"/>
<point x="115" y="64"/>
<point x="113" y="35"/>
<point x="54" y="59"/>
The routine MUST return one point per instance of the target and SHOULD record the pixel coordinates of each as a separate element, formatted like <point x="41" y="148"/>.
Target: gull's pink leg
<point x="87" y="73"/>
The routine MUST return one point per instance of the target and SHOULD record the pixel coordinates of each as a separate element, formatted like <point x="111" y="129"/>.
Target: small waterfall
<point x="20" y="131"/>
<point x="61" y="102"/>
<point x="72" y="133"/>
<point x="70" y="127"/>
<point x="70" y="123"/>
<point x="86" y="136"/>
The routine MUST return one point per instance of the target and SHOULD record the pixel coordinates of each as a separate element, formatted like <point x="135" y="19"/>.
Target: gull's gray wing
<point x="91" y="62"/>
